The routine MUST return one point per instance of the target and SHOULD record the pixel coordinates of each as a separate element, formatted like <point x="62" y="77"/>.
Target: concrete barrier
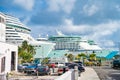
<point x="69" y="75"/>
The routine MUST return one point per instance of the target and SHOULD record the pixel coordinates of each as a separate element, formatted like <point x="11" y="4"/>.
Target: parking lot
<point x="25" y="76"/>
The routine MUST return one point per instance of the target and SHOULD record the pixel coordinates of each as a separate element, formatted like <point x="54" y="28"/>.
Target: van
<point x="116" y="64"/>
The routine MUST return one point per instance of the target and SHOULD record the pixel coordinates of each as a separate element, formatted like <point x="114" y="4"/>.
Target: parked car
<point x="116" y="64"/>
<point x="62" y="69"/>
<point x="21" y="67"/>
<point x="43" y="70"/>
<point x="80" y="67"/>
<point x="79" y="62"/>
<point x="67" y="63"/>
<point x="31" y="69"/>
<point x="58" y="64"/>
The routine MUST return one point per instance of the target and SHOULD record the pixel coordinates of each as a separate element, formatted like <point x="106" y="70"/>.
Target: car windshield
<point x="41" y="66"/>
<point x="25" y="64"/>
<point x="33" y="64"/>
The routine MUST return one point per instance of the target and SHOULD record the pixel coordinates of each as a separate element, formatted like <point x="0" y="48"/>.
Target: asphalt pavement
<point x="89" y="74"/>
<point x="107" y="73"/>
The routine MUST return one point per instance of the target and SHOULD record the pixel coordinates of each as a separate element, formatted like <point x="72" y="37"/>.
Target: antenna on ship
<point x="39" y="35"/>
<point x="59" y="33"/>
<point x="47" y="35"/>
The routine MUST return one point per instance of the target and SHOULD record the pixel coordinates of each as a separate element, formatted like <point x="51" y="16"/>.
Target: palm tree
<point x="26" y="52"/>
<point x="66" y="54"/>
<point x="81" y="55"/>
<point x="70" y="57"/>
<point x="92" y="56"/>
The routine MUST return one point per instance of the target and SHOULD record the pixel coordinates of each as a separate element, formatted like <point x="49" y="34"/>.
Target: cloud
<point x="117" y="7"/>
<point x="61" y="5"/>
<point x="107" y="43"/>
<point x="26" y="4"/>
<point x="90" y="10"/>
<point x="98" y="32"/>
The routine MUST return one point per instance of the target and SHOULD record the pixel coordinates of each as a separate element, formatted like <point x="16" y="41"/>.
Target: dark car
<point x="66" y="64"/>
<point x="79" y="62"/>
<point x="80" y="67"/>
<point x="43" y="70"/>
<point x="116" y="64"/>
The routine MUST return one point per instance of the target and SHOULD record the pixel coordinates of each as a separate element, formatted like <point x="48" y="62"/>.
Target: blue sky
<point x="98" y="20"/>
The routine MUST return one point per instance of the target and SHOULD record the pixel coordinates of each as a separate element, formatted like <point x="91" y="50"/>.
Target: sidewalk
<point x="89" y="74"/>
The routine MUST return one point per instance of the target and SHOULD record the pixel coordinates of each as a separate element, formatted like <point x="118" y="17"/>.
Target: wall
<point x="6" y="50"/>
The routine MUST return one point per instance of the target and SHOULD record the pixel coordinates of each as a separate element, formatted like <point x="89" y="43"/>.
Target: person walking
<point x="53" y="66"/>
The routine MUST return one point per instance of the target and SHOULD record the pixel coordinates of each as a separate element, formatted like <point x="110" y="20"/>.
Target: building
<point x="16" y="31"/>
<point x="8" y="57"/>
<point x="8" y="52"/>
<point x="43" y="49"/>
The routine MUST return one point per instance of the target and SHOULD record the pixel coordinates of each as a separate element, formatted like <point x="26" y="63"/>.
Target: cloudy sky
<point x="98" y="20"/>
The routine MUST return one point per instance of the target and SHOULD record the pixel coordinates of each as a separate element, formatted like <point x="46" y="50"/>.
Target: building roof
<point x="108" y="54"/>
<point x="57" y="54"/>
<point x="43" y="49"/>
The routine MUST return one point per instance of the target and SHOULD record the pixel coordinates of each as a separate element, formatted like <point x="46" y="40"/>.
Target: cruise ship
<point x="16" y="31"/>
<point x="73" y="43"/>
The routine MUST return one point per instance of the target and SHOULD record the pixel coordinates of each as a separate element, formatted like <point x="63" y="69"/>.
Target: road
<point x="107" y="73"/>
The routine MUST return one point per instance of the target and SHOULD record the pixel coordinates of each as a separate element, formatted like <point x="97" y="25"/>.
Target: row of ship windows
<point x="11" y="33"/>
<point x="67" y="39"/>
<point x="12" y="36"/>
<point x="18" y="27"/>
<point x="17" y="31"/>
<point x="14" y="39"/>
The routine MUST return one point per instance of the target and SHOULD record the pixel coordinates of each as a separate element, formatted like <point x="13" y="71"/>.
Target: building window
<point x="3" y="64"/>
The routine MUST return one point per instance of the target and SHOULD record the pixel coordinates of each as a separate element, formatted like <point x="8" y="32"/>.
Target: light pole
<point x="54" y="57"/>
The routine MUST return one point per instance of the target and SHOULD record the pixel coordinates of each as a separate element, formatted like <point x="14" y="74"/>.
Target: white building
<point x="8" y="57"/>
<point x="8" y="52"/>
